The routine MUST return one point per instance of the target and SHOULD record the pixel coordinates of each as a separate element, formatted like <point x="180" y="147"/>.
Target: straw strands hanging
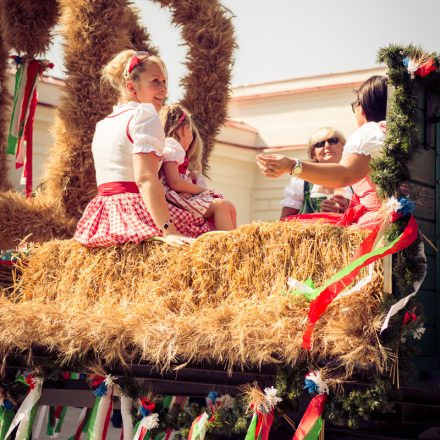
<point x="222" y="299"/>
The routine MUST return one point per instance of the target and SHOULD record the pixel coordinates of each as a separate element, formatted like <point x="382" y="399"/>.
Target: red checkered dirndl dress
<point x="121" y="218"/>
<point x="118" y="214"/>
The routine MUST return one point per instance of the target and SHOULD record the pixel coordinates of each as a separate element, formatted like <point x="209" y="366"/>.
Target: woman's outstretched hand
<point x="274" y="165"/>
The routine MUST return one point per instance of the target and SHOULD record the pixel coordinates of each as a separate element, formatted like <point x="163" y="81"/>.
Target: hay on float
<point x="224" y="299"/>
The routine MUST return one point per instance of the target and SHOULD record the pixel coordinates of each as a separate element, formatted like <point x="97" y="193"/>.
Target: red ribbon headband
<point x="136" y="59"/>
<point x="181" y="119"/>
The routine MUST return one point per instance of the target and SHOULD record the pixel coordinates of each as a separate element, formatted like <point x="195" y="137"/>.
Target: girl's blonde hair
<point x="115" y="72"/>
<point x="175" y="116"/>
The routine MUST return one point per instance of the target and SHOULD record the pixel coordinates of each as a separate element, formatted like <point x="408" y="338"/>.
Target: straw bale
<point x="222" y="299"/>
<point x="35" y="219"/>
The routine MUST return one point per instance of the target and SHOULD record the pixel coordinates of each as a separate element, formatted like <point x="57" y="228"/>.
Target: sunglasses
<point x="330" y="141"/>
<point x="355" y="104"/>
<point x="136" y="59"/>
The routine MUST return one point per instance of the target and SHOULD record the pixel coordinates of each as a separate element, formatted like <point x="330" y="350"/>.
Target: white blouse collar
<point x="125" y="106"/>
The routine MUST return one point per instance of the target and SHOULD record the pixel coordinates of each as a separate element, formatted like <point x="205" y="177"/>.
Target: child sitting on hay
<point x="181" y="172"/>
<point x="127" y="151"/>
<point x="364" y="144"/>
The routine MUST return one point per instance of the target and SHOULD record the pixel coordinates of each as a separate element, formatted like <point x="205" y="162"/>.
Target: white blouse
<point x="173" y="151"/>
<point x="368" y="139"/>
<point x="131" y="128"/>
<point x="294" y="193"/>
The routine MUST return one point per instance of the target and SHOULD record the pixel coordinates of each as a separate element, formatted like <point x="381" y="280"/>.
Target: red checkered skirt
<point x="122" y="218"/>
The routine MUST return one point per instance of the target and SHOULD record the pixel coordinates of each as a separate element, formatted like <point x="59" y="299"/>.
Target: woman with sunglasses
<point x="300" y="197"/>
<point x="127" y="151"/>
<point x="364" y="144"/>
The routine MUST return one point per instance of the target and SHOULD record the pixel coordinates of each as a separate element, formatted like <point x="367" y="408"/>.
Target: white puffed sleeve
<point x="367" y="139"/>
<point x="146" y="130"/>
<point x="173" y="151"/>
<point x="293" y="194"/>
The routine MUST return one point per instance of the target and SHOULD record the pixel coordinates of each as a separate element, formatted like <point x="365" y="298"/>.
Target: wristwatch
<point x="297" y="168"/>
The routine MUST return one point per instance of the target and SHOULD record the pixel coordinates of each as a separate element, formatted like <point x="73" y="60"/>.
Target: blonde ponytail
<point x="113" y="74"/>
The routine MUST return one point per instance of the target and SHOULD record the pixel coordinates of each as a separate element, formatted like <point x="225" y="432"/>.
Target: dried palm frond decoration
<point x="5" y="184"/>
<point x="28" y="25"/>
<point x="209" y="34"/>
<point x="70" y="173"/>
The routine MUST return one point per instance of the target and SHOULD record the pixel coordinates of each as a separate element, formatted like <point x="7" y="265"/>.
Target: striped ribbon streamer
<point x="25" y="416"/>
<point x="311" y="423"/>
<point x="102" y="409"/>
<point x="260" y="425"/>
<point x="83" y="425"/>
<point x="55" y="420"/>
<point x="365" y="255"/>
<point x="23" y="112"/>
<point x="198" y="427"/>
<point x="6" y="416"/>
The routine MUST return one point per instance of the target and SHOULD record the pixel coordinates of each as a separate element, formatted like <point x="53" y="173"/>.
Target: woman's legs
<point x="220" y="210"/>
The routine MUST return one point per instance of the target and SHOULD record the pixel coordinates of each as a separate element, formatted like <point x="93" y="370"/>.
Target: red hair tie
<point x="136" y="59"/>
<point x="182" y="118"/>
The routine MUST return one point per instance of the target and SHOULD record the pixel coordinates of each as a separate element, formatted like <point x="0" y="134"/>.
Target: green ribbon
<point x="6" y="417"/>
<point x="12" y="139"/>
<point x="251" y="432"/>
<point x="313" y="434"/>
<point x="345" y="271"/>
<point x="92" y="419"/>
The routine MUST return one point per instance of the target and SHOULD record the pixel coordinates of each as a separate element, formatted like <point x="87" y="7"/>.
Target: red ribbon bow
<point x="30" y="381"/>
<point x="97" y="380"/>
<point x="426" y="68"/>
<point x="409" y="318"/>
<point x="147" y="404"/>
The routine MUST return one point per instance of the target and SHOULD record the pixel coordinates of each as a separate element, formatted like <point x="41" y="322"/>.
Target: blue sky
<point x="281" y="39"/>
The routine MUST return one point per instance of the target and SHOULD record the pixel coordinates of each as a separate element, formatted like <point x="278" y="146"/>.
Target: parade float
<point x="252" y="320"/>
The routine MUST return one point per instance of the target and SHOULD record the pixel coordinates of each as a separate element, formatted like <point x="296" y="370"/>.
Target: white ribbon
<point x="40" y="420"/>
<point x="102" y="410"/>
<point x="22" y="418"/>
<point x="360" y="284"/>
<point x="298" y="286"/>
<point x="399" y="305"/>
<point x="147" y="423"/>
<point x="127" y="419"/>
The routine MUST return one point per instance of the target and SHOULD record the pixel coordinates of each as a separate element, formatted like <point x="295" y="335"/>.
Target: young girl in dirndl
<point x="181" y="172"/>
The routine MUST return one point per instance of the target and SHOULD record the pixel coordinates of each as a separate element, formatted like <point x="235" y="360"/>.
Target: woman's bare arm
<point x="351" y="169"/>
